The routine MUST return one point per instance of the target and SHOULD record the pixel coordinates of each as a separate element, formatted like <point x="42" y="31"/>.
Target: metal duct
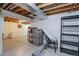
<point x="34" y="9"/>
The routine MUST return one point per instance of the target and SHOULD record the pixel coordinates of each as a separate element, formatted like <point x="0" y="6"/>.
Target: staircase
<point x="46" y="43"/>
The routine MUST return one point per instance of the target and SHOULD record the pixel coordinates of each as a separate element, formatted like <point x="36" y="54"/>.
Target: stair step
<point x="69" y="43"/>
<point x="68" y="51"/>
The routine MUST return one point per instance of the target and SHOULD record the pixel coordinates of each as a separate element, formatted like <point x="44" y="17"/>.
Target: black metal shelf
<point x="70" y="17"/>
<point x="69" y="51"/>
<point x="69" y="43"/>
<point x="70" y="26"/>
<point x="70" y="34"/>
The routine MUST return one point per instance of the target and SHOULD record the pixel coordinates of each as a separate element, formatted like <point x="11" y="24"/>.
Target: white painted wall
<point x="52" y="25"/>
<point x="1" y="31"/>
<point x="13" y="27"/>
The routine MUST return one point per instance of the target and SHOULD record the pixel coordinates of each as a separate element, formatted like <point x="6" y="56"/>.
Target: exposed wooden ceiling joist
<point x="11" y="5"/>
<point x="63" y="9"/>
<point x="14" y="9"/>
<point x="38" y="4"/>
<point x="10" y="19"/>
<point x="58" y="8"/>
<point x="22" y="11"/>
<point x="43" y="5"/>
<point x="52" y="5"/>
<point x="7" y="5"/>
<point x="55" y="8"/>
<point x="48" y="9"/>
<point x="17" y="9"/>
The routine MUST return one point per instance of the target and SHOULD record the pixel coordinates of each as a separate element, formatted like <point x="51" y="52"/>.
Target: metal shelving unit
<point x="66" y="45"/>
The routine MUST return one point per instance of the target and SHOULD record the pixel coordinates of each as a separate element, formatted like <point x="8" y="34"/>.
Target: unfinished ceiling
<point x="17" y="9"/>
<point x="46" y="8"/>
<point x="15" y="20"/>
<point x="10" y="19"/>
<point x="53" y="8"/>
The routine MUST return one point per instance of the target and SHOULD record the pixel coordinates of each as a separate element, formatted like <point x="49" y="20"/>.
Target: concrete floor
<point x="11" y="43"/>
<point x="26" y="49"/>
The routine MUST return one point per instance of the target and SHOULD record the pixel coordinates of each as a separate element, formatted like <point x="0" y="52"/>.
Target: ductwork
<point x="31" y="7"/>
<point x="34" y="9"/>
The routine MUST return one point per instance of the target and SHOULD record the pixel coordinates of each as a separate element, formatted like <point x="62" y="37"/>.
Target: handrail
<point x="55" y="42"/>
<point x="48" y="36"/>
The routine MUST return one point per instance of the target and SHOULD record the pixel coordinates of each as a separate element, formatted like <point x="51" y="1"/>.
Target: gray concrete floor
<point x="26" y="49"/>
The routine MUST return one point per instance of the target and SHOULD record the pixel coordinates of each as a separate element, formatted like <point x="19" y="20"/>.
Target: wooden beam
<point x="8" y="8"/>
<point x="38" y="4"/>
<point x="14" y="20"/>
<point x="14" y="9"/>
<point x="26" y="9"/>
<point x="7" y="5"/>
<point x="46" y="10"/>
<point x="75" y="8"/>
<point x="19" y="10"/>
<point x="52" y="5"/>
<point x="11" y="4"/>
<point x="10" y="19"/>
<point x="60" y="8"/>
<point x="58" y="11"/>
<point x="43" y="5"/>
<point x="22" y="11"/>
